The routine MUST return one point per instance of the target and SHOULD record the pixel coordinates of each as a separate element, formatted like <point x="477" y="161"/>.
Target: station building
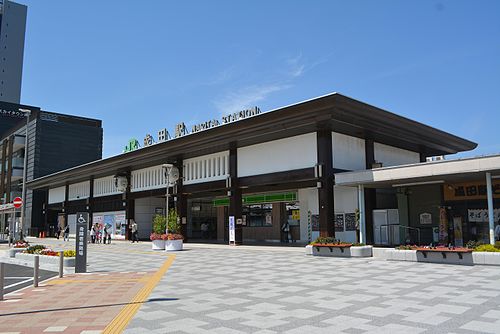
<point x="263" y="169"/>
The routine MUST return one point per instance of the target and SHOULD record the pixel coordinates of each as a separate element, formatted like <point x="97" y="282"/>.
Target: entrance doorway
<point x="202" y="219"/>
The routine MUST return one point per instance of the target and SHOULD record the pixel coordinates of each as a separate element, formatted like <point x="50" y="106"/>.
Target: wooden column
<point x="325" y="192"/>
<point x="235" y="199"/>
<point x="129" y="207"/>
<point x="369" y="193"/>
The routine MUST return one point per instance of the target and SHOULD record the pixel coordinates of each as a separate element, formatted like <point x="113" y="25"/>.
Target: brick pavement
<point x="100" y="301"/>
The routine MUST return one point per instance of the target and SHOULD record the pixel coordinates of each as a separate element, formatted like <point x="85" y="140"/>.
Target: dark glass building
<point x="55" y="142"/>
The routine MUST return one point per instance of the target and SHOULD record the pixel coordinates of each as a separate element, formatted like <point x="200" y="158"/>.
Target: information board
<point x="232" y="232"/>
<point x="350" y="221"/>
<point x="82" y="225"/>
<point x="339" y="222"/>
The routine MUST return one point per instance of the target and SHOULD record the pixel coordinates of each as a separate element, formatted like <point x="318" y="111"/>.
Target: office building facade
<point x="55" y="142"/>
<point x="12" y="34"/>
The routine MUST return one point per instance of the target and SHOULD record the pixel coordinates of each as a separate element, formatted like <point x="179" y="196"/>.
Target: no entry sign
<point x="18" y="202"/>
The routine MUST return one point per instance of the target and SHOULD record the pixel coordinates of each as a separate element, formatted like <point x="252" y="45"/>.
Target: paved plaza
<point x="252" y="289"/>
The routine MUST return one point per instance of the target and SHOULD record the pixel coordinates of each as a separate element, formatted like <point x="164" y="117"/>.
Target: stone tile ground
<point x="219" y="289"/>
<point x="251" y="289"/>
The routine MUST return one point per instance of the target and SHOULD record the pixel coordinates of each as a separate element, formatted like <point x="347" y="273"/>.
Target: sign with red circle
<point x="18" y="202"/>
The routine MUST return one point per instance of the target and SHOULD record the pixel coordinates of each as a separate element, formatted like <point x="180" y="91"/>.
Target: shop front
<point x="447" y="202"/>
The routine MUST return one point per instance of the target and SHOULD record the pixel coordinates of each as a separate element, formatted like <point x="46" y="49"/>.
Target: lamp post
<point x="27" y="113"/>
<point x="171" y="176"/>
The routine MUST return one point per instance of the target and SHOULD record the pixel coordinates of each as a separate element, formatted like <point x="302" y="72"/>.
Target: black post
<point x="82" y="219"/>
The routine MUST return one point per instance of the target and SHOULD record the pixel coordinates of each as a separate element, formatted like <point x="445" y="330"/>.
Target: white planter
<point x="353" y="251"/>
<point x="173" y="245"/>
<point x="45" y="259"/>
<point x="158" y="244"/>
<point x="14" y="251"/>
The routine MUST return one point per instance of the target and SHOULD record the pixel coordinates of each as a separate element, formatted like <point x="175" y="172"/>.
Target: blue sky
<point x="145" y="65"/>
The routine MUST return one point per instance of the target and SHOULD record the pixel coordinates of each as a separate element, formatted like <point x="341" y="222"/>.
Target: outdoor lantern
<point x="121" y="183"/>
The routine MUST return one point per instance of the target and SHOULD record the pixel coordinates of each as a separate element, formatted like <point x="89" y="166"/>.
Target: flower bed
<point x="169" y="242"/>
<point x="46" y="259"/>
<point x="336" y="248"/>
<point x="439" y="254"/>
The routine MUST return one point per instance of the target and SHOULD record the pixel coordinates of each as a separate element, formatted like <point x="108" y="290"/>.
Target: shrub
<point x="405" y="247"/>
<point x="174" y="225"/>
<point x="70" y="253"/>
<point x="473" y="244"/>
<point x="486" y="248"/>
<point x="159" y="224"/>
<point x="35" y="249"/>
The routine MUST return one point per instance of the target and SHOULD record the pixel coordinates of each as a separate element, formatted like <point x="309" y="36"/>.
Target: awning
<point x="457" y="170"/>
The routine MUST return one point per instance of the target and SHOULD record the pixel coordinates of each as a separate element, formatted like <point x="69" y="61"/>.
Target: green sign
<point x="133" y="144"/>
<point x="260" y="198"/>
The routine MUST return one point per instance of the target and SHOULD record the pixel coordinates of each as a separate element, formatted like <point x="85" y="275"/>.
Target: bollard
<point x="2" y="274"/>
<point x="61" y="263"/>
<point x="35" y="270"/>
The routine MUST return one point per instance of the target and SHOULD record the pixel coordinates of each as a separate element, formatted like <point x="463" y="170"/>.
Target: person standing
<point x="59" y="230"/>
<point x="497" y="231"/>
<point x="105" y="235"/>
<point x="66" y="233"/>
<point x="92" y="234"/>
<point x="286" y="230"/>
<point x="204" y="230"/>
<point x="135" y="232"/>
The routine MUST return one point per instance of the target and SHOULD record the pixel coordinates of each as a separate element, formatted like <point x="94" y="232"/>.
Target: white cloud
<point x="247" y="97"/>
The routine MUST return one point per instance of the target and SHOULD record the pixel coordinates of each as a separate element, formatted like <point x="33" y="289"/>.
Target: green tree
<point x="159" y="224"/>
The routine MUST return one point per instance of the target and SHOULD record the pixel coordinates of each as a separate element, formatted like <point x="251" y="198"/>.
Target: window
<point x="258" y="215"/>
<point x="293" y="213"/>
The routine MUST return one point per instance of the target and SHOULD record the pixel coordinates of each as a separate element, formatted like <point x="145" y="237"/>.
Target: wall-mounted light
<point x="319" y="185"/>
<point x="228" y="182"/>
<point x="229" y="193"/>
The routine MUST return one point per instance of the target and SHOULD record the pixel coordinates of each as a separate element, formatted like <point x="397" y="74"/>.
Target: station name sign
<point x="181" y="129"/>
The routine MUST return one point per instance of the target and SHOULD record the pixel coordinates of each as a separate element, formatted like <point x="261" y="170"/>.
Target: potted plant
<point x="158" y="235"/>
<point x="173" y="240"/>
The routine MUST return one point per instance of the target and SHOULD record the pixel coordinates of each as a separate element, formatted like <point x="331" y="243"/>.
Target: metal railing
<point x="394" y="234"/>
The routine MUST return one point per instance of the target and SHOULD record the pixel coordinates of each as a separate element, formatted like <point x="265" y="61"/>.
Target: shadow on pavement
<point x="152" y="300"/>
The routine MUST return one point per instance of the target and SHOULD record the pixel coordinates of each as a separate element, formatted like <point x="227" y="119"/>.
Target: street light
<point x="27" y="113"/>
<point x="171" y="176"/>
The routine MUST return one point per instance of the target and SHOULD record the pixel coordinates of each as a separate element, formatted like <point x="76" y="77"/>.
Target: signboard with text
<point x="82" y="225"/>
<point x="232" y="232"/>
<point x="469" y="191"/>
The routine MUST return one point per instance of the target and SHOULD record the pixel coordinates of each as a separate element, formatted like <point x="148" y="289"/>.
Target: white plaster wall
<point x="308" y="200"/>
<point x="79" y="190"/>
<point x="278" y="155"/>
<point x="348" y="152"/>
<point x="345" y="201"/>
<point x="144" y="212"/>
<point x="57" y="195"/>
<point x="393" y="156"/>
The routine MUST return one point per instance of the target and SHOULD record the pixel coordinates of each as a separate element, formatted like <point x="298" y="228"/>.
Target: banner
<point x="457" y="230"/>
<point x="443" y="226"/>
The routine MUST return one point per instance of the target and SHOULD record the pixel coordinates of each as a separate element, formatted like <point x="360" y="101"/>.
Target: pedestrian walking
<point x="109" y="238"/>
<point x="58" y="232"/>
<point x="135" y="232"/>
<point x="66" y="233"/>
<point x="92" y="234"/>
<point x="105" y="235"/>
